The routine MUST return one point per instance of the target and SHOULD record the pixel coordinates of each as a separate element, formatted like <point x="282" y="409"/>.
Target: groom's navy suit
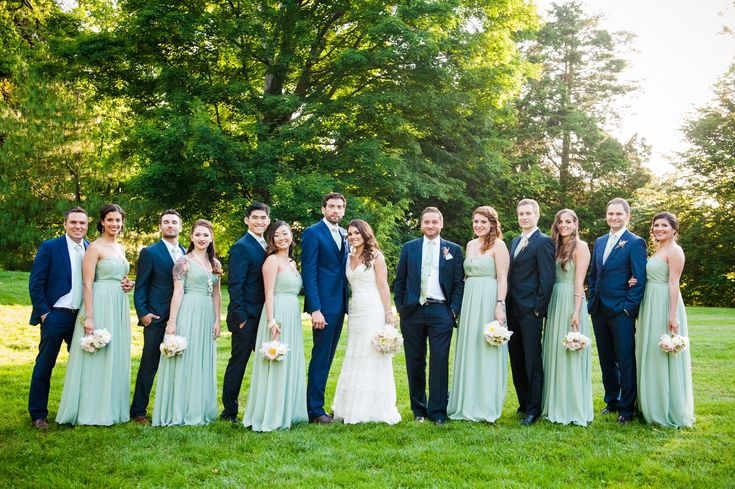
<point x="49" y="281"/>
<point x="614" y="307"/>
<point x="531" y="278"/>
<point x="245" y="285"/>
<point x="325" y="289"/>
<point x="433" y="321"/>
<point x="154" y="287"/>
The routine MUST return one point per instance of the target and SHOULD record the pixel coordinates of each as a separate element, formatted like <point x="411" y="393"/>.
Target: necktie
<point x="609" y="247"/>
<point x="337" y="238"/>
<point x="262" y="243"/>
<point x="175" y="253"/>
<point x="77" y="287"/>
<point x="427" y="262"/>
<point x="521" y="245"/>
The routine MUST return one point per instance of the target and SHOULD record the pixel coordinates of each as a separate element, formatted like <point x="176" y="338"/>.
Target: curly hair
<point x="211" y="252"/>
<point x="564" y="251"/>
<point x="371" y="246"/>
<point x="495" y="232"/>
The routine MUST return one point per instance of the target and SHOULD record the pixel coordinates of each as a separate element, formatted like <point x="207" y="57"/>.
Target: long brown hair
<point x="495" y="232"/>
<point x="211" y="253"/>
<point x="371" y="247"/>
<point x="564" y="251"/>
<point x="673" y="222"/>
<point x="270" y="238"/>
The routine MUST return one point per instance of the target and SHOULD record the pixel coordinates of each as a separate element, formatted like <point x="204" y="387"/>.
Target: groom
<point x="323" y="260"/>
<point x="613" y="305"/>
<point x="428" y="294"/>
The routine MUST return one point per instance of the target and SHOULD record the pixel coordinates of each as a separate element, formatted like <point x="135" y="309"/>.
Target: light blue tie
<point x="77" y="288"/>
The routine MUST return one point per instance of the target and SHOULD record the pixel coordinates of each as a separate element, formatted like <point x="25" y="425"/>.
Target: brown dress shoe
<point x="323" y="419"/>
<point x="41" y="424"/>
<point x="142" y="420"/>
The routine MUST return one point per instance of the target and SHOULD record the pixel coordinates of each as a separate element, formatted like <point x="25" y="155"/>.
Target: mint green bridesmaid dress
<point x="186" y="389"/>
<point x="664" y="381"/>
<point x="480" y="374"/>
<point x="567" y="393"/>
<point x="97" y="385"/>
<point x="277" y="397"/>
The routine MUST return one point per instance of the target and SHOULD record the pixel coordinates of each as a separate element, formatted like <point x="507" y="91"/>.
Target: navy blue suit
<point x="245" y="285"/>
<point x="325" y="288"/>
<point x="154" y="287"/>
<point x="531" y="278"/>
<point x="430" y="321"/>
<point x="50" y="280"/>
<point x="614" y="307"/>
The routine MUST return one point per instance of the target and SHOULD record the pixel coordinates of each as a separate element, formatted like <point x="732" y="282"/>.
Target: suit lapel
<point x="254" y="244"/>
<point x="165" y="255"/>
<point x="327" y="234"/>
<point x="623" y="237"/>
<point x="63" y="251"/>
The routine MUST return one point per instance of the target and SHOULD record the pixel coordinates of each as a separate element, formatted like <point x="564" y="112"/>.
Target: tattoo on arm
<point x="180" y="269"/>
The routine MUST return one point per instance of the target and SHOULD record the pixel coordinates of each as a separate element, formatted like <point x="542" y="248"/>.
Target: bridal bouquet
<point x="575" y="341"/>
<point x="496" y="334"/>
<point x="95" y="341"/>
<point x="387" y="340"/>
<point x="673" y="343"/>
<point x="173" y="345"/>
<point x="274" y="351"/>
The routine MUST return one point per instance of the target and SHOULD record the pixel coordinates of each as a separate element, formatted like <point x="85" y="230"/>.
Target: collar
<point x="528" y="236"/>
<point x="70" y="243"/>
<point x="619" y="233"/>
<point x="437" y="240"/>
<point x="169" y="246"/>
<point x="330" y="225"/>
<point x="259" y="239"/>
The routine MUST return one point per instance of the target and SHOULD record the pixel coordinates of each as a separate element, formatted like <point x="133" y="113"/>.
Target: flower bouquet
<point x="274" y="351"/>
<point x="575" y="341"/>
<point x="673" y="344"/>
<point x="98" y="339"/>
<point x="173" y="345"/>
<point x="496" y="334"/>
<point x="387" y="340"/>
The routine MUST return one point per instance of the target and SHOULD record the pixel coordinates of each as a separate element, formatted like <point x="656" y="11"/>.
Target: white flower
<point x="388" y="340"/>
<point x="274" y="351"/>
<point x="173" y="345"/>
<point x="575" y="341"/>
<point x="673" y="344"/>
<point x="496" y="334"/>
<point x="98" y="339"/>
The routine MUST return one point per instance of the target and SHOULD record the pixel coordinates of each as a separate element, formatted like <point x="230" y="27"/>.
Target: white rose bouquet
<point x="274" y="351"/>
<point x="95" y="341"/>
<point x="673" y="344"/>
<point x="575" y="341"/>
<point x="496" y="334"/>
<point x="387" y="340"/>
<point x="173" y="345"/>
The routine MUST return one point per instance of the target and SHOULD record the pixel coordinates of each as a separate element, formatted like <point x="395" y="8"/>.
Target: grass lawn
<point x="460" y="454"/>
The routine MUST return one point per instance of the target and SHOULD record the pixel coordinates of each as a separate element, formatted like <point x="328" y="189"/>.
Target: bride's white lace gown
<point x="366" y="390"/>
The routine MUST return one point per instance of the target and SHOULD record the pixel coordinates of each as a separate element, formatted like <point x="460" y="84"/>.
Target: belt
<point x="434" y="301"/>
<point x="66" y="309"/>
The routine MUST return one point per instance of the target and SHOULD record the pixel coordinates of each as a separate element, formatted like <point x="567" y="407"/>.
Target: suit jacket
<point x="407" y="285"/>
<point x="245" y="281"/>
<point x="154" y="282"/>
<point x="50" y="276"/>
<point x="532" y="273"/>
<point x="608" y="284"/>
<point x="323" y="270"/>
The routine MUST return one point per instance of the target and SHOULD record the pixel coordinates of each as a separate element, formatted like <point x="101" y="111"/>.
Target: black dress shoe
<point x="625" y="419"/>
<point x="440" y="422"/>
<point x="323" y="419"/>
<point x="419" y="419"/>
<point x="608" y="410"/>
<point x="529" y="420"/>
<point x="41" y="424"/>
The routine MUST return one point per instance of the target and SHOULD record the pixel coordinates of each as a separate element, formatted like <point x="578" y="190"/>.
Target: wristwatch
<point x="501" y="301"/>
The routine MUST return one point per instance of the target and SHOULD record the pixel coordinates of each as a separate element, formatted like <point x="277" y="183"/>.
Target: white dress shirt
<point x="259" y="239"/>
<point x="433" y="289"/>
<point x="336" y="235"/>
<point x="612" y="239"/>
<point x="65" y="300"/>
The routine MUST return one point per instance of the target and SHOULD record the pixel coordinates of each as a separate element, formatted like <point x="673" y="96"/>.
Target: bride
<point x="366" y="391"/>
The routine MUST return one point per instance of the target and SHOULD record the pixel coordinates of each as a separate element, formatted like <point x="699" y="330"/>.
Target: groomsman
<point x="613" y="304"/>
<point x="530" y="281"/>
<point x="56" y="290"/>
<point x="152" y="297"/>
<point x="324" y="253"/>
<point x="245" y="284"/>
<point x="428" y="294"/>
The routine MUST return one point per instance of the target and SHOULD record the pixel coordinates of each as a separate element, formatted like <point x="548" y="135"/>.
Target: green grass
<point x="461" y="454"/>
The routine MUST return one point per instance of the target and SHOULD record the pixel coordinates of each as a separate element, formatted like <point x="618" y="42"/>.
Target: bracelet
<point x="272" y="322"/>
<point x="501" y="301"/>
<point x="578" y="295"/>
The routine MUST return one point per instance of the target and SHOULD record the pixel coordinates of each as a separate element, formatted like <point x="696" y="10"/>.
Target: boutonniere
<point x="524" y="244"/>
<point x="622" y="243"/>
<point x="447" y="254"/>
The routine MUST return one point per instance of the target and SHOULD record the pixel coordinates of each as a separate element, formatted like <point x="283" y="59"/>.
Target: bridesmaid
<point x="97" y="385"/>
<point x="664" y="380"/>
<point x="186" y="389"/>
<point x="277" y="396"/>
<point x="480" y="370"/>
<point x="567" y="394"/>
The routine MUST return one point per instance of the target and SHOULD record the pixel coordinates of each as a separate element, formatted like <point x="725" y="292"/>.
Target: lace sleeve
<point x="180" y="269"/>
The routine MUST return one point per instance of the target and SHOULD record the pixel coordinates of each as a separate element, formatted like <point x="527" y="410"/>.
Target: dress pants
<point x="615" y="335"/>
<point x="526" y="362"/>
<point x="152" y="338"/>
<point x="322" y="354"/>
<point x="243" y="344"/>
